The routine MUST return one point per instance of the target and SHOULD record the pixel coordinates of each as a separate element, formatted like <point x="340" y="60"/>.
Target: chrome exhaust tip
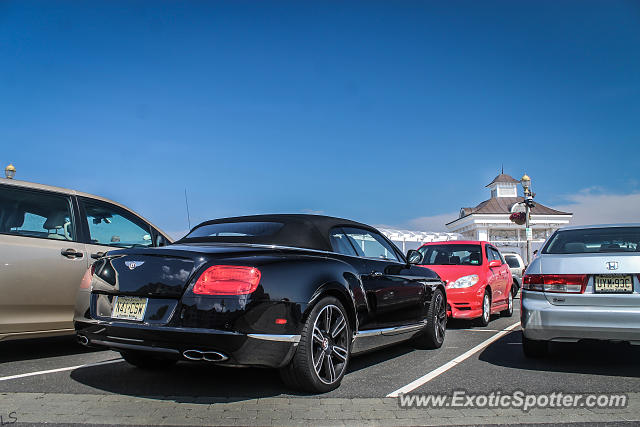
<point x="207" y="356"/>
<point x="193" y="354"/>
<point x="214" y="356"/>
<point x="83" y="340"/>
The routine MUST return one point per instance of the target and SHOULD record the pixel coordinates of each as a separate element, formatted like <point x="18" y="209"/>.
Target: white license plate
<point x="613" y="284"/>
<point x="129" y="308"/>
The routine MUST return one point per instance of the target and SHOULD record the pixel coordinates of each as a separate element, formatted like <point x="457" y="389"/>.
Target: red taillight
<point x="280" y="321"/>
<point x="86" y="279"/>
<point x="227" y="280"/>
<point x="566" y="283"/>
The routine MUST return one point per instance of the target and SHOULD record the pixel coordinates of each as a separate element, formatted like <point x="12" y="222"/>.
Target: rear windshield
<point x="451" y="255"/>
<point x="592" y="240"/>
<point x="512" y="261"/>
<point x="236" y="229"/>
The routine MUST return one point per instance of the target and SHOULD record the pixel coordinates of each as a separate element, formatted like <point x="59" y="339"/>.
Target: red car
<point x="478" y="280"/>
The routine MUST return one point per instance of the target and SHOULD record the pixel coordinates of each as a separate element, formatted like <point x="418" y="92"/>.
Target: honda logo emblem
<point x="612" y="265"/>
<point x="133" y="264"/>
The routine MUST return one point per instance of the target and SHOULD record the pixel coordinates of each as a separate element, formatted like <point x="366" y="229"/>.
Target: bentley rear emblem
<point x="133" y="264"/>
<point x="612" y="265"/>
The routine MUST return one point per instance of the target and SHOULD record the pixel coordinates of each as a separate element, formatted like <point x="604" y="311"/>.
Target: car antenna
<point x="186" y="202"/>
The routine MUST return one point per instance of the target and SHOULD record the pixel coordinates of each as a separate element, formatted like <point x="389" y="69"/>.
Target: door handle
<point x="98" y="255"/>
<point x="376" y="274"/>
<point x="71" y="253"/>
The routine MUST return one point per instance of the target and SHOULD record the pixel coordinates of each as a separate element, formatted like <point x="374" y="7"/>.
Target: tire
<point x="323" y="353"/>
<point x="483" y="320"/>
<point x="515" y="288"/>
<point x="509" y="311"/>
<point x="534" y="348"/>
<point x="144" y="360"/>
<point x="432" y="336"/>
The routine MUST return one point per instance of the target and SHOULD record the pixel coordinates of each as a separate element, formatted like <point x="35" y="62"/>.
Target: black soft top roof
<point x="299" y="230"/>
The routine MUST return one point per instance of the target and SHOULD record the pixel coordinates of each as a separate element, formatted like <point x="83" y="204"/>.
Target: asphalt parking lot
<point x="56" y="381"/>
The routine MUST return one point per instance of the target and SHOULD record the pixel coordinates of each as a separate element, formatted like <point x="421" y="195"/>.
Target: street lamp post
<point x="528" y="201"/>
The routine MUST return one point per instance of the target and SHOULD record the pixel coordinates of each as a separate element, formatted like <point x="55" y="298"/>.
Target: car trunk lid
<point x="158" y="272"/>
<point x="605" y="266"/>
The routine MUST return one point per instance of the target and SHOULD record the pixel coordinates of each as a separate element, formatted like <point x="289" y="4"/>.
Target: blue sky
<point x="393" y="113"/>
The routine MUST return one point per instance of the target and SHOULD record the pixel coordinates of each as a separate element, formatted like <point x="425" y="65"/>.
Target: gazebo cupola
<point x="503" y="186"/>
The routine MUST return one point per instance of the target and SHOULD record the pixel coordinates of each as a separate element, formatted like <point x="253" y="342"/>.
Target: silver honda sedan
<point x="583" y="285"/>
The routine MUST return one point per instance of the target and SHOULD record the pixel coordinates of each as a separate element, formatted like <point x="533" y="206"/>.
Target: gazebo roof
<point x="503" y="177"/>
<point x="503" y="205"/>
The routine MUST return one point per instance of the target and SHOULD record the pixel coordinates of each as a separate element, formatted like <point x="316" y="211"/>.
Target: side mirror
<point x="161" y="241"/>
<point x="495" y="263"/>
<point x="414" y="257"/>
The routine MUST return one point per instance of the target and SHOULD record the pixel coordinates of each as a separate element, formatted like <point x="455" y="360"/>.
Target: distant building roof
<point x="400" y="235"/>
<point x="503" y="177"/>
<point x="503" y="205"/>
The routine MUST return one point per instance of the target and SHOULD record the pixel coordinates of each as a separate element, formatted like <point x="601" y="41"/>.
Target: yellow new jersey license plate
<point x="613" y="284"/>
<point x="129" y="308"/>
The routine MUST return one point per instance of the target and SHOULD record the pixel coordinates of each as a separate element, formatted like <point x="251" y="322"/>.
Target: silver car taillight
<point x="564" y="283"/>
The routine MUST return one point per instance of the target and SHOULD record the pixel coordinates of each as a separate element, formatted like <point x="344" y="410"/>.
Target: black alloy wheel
<point x="321" y="359"/>
<point x="435" y="329"/>
<point x="515" y="288"/>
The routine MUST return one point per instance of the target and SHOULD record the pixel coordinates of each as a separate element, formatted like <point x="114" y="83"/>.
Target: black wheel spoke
<point x="327" y="321"/>
<point x="318" y="363"/>
<point x="331" y="369"/>
<point x="317" y="335"/>
<point x="340" y="352"/>
<point x="339" y="327"/>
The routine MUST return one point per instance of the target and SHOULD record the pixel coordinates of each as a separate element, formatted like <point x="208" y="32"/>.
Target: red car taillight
<point x="86" y="279"/>
<point x="227" y="280"/>
<point x="566" y="283"/>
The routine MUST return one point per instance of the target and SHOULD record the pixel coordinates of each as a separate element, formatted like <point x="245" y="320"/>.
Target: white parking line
<point x="444" y="368"/>
<point x="477" y="330"/>
<point x="51" y="371"/>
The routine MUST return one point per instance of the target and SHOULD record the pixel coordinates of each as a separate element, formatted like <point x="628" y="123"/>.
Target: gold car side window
<point x="112" y="226"/>
<point x="36" y="214"/>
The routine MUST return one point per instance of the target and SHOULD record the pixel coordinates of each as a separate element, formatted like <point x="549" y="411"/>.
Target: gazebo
<point x="490" y="221"/>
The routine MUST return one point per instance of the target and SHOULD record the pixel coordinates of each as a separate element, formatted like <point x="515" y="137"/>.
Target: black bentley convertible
<point x="302" y="293"/>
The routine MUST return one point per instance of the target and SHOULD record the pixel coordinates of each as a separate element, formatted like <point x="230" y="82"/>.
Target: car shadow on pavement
<point x="184" y="382"/>
<point x="366" y="360"/>
<point x="468" y="324"/>
<point x="41" y="348"/>
<point x="584" y="357"/>
<point x="206" y="383"/>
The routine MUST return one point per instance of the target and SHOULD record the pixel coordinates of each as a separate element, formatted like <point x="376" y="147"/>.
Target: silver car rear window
<point x="512" y="261"/>
<point x="594" y="240"/>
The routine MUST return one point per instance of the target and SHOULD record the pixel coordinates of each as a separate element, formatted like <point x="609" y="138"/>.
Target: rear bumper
<point x="268" y="350"/>
<point x="245" y="333"/>
<point x="541" y="320"/>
